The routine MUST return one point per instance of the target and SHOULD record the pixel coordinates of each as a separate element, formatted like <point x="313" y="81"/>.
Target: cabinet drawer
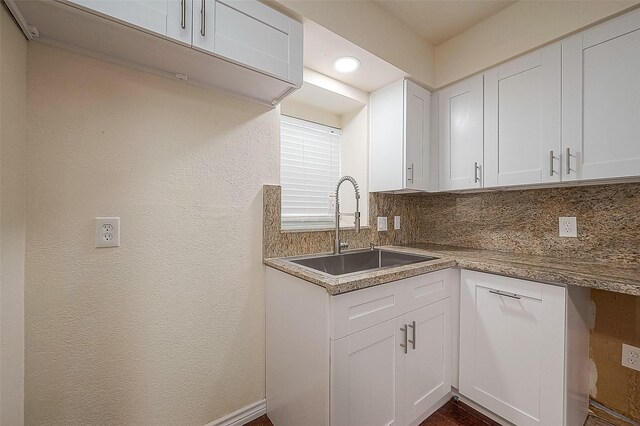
<point x="524" y="288"/>
<point x="360" y="309"/>
<point x="426" y="289"/>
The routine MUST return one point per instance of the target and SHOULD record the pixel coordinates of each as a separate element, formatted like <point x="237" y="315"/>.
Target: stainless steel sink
<point x="359" y="261"/>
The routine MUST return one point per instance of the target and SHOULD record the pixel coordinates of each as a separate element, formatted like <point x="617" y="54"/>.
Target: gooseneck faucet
<point x="339" y="245"/>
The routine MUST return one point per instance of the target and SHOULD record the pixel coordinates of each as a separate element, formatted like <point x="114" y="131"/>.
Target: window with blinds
<point x="309" y="172"/>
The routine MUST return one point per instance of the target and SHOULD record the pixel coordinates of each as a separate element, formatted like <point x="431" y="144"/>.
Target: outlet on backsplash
<point x="568" y="227"/>
<point x="382" y="224"/>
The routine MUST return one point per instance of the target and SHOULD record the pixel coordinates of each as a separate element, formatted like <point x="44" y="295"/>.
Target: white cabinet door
<point x="367" y="377"/>
<point x="460" y="135"/>
<point x="250" y="33"/>
<point x="203" y="24"/>
<point x="179" y="20"/>
<point x="522" y="120"/>
<point x="512" y="347"/>
<point x="601" y="100"/>
<point x="170" y="18"/>
<point x="428" y="361"/>
<point x="416" y="136"/>
<point x="150" y="15"/>
<point x="400" y="132"/>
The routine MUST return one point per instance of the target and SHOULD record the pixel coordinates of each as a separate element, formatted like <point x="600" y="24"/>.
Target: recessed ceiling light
<point x="346" y="64"/>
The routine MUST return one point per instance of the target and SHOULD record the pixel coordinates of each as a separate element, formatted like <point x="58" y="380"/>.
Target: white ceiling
<point x="322" y="47"/>
<point x="437" y="21"/>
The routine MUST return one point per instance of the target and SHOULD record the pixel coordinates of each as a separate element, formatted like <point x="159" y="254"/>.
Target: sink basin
<point x="359" y="261"/>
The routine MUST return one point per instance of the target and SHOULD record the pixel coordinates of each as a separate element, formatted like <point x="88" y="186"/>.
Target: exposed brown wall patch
<point x="617" y="322"/>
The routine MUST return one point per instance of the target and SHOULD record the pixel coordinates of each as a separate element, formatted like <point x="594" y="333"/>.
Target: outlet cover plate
<point x="107" y="232"/>
<point x="631" y="357"/>
<point x="396" y="222"/>
<point x="382" y="224"/>
<point x="568" y="227"/>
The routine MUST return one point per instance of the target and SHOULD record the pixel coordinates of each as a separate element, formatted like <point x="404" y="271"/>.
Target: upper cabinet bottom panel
<point x="81" y="30"/>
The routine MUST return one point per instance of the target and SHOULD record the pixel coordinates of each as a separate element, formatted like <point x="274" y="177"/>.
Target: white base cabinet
<point x="524" y="349"/>
<point x="377" y="356"/>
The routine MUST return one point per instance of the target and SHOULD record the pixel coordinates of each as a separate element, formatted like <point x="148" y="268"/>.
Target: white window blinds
<point x="309" y="171"/>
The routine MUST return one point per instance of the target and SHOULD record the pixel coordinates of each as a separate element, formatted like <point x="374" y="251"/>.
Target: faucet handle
<point x="372" y="246"/>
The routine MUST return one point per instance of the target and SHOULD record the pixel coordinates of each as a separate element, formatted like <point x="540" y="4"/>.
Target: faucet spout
<point x="339" y="245"/>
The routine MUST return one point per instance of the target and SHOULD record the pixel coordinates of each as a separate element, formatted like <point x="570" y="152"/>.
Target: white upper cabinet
<point x="150" y="15"/>
<point x="522" y="120"/>
<point x="601" y="101"/>
<point x="460" y="135"/>
<point x="250" y="33"/>
<point x="399" y="136"/>
<point x="241" y="47"/>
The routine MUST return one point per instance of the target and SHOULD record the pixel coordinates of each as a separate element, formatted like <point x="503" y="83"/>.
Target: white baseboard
<point x="243" y="415"/>
<point x="482" y="410"/>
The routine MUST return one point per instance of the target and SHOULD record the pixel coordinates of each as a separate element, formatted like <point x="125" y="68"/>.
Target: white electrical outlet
<point x="382" y="224"/>
<point x="396" y="222"/>
<point x="107" y="232"/>
<point x="631" y="357"/>
<point x="568" y="227"/>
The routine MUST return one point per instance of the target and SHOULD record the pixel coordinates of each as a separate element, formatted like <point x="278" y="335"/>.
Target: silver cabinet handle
<point x="404" y="329"/>
<point x="203" y="12"/>
<point x="410" y="168"/>
<point x="551" y="163"/>
<point x="502" y="293"/>
<point x="412" y="326"/>
<point x="568" y="161"/>
<point x="476" y="179"/>
<point x="183" y="14"/>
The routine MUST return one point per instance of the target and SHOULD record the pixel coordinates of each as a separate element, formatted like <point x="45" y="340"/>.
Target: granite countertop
<point x="611" y="277"/>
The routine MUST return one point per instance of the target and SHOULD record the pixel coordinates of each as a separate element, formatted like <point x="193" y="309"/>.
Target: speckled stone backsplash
<point x="522" y="221"/>
<point x="526" y="221"/>
<point x="277" y="243"/>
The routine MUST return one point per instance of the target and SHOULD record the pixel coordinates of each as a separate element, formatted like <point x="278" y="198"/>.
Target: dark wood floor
<point x="456" y="413"/>
<point x="453" y="413"/>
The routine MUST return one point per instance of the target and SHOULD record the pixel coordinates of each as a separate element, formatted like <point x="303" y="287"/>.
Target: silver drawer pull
<point x="503" y="293"/>
<point x="183" y="14"/>
<point x="203" y="13"/>
<point x="405" y="346"/>
<point x="412" y="326"/>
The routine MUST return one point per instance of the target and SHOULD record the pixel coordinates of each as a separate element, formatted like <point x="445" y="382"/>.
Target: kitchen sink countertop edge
<point x="617" y="278"/>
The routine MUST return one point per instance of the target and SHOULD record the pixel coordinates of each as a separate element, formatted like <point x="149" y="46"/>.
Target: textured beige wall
<point x="354" y="154"/>
<point x="517" y="29"/>
<point x="167" y="329"/>
<point x="367" y="25"/>
<point x="13" y="142"/>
